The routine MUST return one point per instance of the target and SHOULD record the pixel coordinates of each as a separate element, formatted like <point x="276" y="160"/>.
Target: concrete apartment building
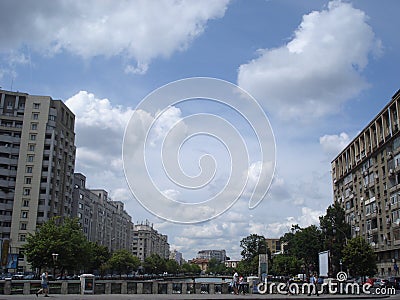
<point x="37" y="159"/>
<point x="177" y="256"/>
<point x="274" y="246"/>
<point x="103" y="220"/>
<point x="366" y="182"/>
<point x="146" y="241"/>
<point x="219" y="255"/>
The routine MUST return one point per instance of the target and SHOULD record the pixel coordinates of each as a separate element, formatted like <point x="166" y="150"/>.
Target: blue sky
<point x="320" y="70"/>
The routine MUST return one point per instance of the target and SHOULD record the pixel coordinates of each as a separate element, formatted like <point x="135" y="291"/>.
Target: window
<point x="25" y="203"/>
<point x="27" y="192"/>
<point x="80" y="196"/>
<point x="29" y="169"/>
<point x="22" y="237"/>
<point x="23" y="226"/>
<point x="32" y="137"/>
<point x="34" y="126"/>
<point x="24" y="214"/>
<point x="52" y="118"/>
<point x="35" y="116"/>
<point x="80" y="206"/>
<point x="36" y="105"/>
<point x="28" y="180"/>
<point x="31" y="147"/>
<point x="30" y="158"/>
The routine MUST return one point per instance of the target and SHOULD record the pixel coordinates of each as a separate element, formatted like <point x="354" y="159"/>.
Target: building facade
<point x="219" y="255"/>
<point x="274" y="246"/>
<point x="103" y="220"/>
<point x="366" y="182"/>
<point x="177" y="256"/>
<point x="147" y="241"/>
<point x="37" y="159"/>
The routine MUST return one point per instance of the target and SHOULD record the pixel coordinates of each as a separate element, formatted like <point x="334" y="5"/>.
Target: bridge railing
<point x="27" y="287"/>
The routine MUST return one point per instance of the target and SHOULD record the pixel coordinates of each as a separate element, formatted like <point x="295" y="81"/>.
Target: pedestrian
<point x="45" y="285"/>
<point x="235" y="282"/>
<point x="242" y="288"/>
<point x="313" y="284"/>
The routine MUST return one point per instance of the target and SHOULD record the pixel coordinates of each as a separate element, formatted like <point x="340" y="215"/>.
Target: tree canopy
<point x="123" y="262"/>
<point x="66" y="239"/>
<point x="359" y="257"/>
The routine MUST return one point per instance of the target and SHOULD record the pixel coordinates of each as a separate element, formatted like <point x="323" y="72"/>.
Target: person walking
<point x="45" y="285"/>
<point x="235" y="282"/>
<point x="313" y="284"/>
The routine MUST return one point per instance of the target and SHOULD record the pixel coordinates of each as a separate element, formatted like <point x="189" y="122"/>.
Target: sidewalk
<point x="189" y="296"/>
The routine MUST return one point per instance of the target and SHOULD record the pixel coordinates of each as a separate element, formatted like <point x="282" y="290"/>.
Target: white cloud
<point x="137" y="30"/>
<point x="317" y="70"/>
<point x="332" y="145"/>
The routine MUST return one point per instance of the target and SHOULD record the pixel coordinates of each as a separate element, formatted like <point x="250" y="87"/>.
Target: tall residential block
<point x="37" y="158"/>
<point x="103" y="220"/>
<point x="366" y="182"/>
<point x="219" y="255"/>
<point x="147" y="241"/>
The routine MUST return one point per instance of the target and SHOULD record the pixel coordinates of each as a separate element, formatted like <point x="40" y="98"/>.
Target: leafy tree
<point x="216" y="267"/>
<point x="359" y="257"/>
<point x="99" y="256"/>
<point x="285" y="265"/>
<point x="123" y="262"/>
<point x="155" y="264"/>
<point x="172" y="266"/>
<point x="335" y="232"/>
<point x="304" y="244"/>
<point x="252" y="246"/>
<point x="66" y="239"/>
<point x="191" y="268"/>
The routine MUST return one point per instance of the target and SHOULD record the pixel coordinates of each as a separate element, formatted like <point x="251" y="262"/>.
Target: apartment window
<point x="32" y="137"/>
<point x="28" y="180"/>
<point x="80" y="196"/>
<point x="34" y="126"/>
<point x="29" y="169"/>
<point x="31" y="147"/>
<point x="22" y="237"/>
<point x="35" y="116"/>
<point x="23" y="226"/>
<point x="25" y="203"/>
<point x="36" y="105"/>
<point x="52" y="118"/>
<point x="27" y="192"/>
<point x="30" y="158"/>
<point x="80" y="206"/>
<point x="24" y="215"/>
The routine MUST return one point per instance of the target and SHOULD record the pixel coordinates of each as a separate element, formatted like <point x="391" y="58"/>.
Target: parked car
<point x="393" y="282"/>
<point x="379" y="283"/>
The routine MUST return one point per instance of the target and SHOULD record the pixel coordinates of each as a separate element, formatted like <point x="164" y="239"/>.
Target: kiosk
<point x="87" y="283"/>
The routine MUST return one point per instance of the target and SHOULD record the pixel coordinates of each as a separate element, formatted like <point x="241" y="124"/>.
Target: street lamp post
<point x="55" y="258"/>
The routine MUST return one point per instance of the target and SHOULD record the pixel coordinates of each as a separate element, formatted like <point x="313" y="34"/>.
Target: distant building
<point x="219" y="255"/>
<point x="147" y="241"/>
<point x="177" y="256"/>
<point x="232" y="263"/>
<point x="201" y="262"/>
<point x="274" y="245"/>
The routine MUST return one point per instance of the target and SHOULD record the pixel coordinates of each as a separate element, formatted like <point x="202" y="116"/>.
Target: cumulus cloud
<point x="317" y="71"/>
<point x="138" y="30"/>
<point x="334" y="144"/>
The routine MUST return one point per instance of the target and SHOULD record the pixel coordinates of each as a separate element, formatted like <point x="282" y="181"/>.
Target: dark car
<point x="393" y="282"/>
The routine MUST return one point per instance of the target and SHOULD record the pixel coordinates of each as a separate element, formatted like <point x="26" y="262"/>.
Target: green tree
<point x="66" y="239"/>
<point x="304" y="244"/>
<point x="99" y="255"/>
<point x="252" y="246"/>
<point x="216" y="267"/>
<point x="335" y="233"/>
<point x="359" y="257"/>
<point x="123" y="262"/>
<point x="285" y="265"/>
<point x="155" y="264"/>
<point x="172" y="266"/>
